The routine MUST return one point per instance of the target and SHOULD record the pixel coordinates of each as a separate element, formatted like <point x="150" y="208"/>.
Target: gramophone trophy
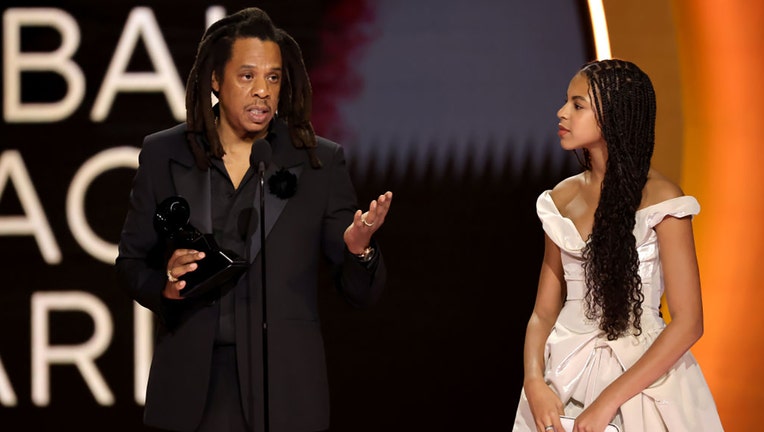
<point x="171" y="221"/>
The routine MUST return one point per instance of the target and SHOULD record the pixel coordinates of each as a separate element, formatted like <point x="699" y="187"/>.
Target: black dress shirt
<point x="234" y="220"/>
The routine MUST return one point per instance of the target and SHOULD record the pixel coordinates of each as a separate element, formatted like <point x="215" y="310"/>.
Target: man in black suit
<point x="207" y="369"/>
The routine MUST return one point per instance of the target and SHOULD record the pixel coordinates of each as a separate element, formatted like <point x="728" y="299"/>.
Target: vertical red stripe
<point x="346" y="32"/>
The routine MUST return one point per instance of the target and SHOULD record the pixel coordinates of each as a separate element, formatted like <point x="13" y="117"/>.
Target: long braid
<point x="297" y="97"/>
<point x="625" y="105"/>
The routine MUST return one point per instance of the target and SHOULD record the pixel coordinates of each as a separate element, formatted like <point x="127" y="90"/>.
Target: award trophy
<point x="171" y="222"/>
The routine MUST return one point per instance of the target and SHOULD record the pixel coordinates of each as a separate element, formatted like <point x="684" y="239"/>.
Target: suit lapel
<point x="273" y="208"/>
<point x="194" y="185"/>
<point x="288" y="157"/>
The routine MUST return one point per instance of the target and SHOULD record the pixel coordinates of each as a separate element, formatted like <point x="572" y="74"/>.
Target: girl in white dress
<point x="617" y="236"/>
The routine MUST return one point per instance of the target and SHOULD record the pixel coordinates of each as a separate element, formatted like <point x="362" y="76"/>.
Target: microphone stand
<point x="261" y="175"/>
<point x="260" y="157"/>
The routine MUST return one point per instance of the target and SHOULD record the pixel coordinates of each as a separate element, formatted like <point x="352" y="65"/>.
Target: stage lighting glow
<point x="599" y="28"/>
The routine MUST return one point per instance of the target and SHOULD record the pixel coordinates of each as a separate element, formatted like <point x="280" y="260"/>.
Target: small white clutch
<point x="567" y="424"/>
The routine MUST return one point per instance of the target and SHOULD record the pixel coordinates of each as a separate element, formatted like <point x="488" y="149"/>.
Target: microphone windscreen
<point x="261" y="152"/>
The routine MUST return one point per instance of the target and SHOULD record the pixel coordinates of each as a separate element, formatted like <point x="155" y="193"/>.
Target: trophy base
<point x="216" y="269"/>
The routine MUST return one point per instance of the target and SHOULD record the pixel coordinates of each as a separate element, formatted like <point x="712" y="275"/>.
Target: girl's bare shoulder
<point x="659" y="188"/>
<point x="567" y="189"/>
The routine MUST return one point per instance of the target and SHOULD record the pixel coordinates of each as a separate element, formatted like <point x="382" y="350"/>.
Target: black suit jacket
<point x="299" y="231"/>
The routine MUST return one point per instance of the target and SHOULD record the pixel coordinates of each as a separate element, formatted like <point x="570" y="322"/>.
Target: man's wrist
<point x="366" y="255"/>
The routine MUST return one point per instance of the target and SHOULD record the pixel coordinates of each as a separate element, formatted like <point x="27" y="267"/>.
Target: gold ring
<point x="171" y="278"/>
<point x="367" y="223"/>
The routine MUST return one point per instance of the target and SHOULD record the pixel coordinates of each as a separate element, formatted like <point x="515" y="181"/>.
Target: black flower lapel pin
<point x="282" y="183"/>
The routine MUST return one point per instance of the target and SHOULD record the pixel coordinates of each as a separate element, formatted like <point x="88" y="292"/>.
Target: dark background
<point x="443" y="348"/>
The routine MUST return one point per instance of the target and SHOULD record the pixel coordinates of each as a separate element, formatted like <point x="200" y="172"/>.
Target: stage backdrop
<point x="449" y="104"/>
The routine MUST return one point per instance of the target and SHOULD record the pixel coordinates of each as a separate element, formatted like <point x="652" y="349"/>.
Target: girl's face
<point x="578" y="127"/>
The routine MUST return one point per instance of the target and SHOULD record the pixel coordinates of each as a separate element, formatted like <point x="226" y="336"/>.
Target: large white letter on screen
<point x="141" y="24"/>
<point x="7" y="395"/>
<point x="143" y="324"/>
<point x="115" y="157"/>
<point x="83" y="355"/>
<point x="34" y="222"/>
<point x="59" y="61"/>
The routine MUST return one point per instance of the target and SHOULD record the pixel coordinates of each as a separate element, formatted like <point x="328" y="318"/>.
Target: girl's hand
<point x="546" y="406"/>
<point x="595" y="417"/>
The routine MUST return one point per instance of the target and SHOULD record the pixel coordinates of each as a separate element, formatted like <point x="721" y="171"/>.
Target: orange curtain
<point x="722" y="73"/>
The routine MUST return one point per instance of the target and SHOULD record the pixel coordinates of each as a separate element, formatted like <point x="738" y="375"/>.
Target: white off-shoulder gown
<point x="581" y="362"/>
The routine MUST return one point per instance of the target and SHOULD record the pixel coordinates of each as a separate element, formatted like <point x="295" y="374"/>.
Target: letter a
<point x="35" y="222"/>
<point x="141" y="22"/>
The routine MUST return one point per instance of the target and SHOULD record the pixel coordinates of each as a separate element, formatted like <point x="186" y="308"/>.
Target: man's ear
<point x="215" y="83"/>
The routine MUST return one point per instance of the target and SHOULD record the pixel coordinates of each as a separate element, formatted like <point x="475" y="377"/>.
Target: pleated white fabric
<point x="581" y="362"/>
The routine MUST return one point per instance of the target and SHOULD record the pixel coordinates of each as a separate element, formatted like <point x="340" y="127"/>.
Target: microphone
<point x="260" y="156"/>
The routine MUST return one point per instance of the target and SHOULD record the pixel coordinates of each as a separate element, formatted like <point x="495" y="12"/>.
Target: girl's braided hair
<point x="624" y="102"/>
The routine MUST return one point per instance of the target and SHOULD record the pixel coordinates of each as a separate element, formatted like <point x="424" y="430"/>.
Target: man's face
<point x="249" y="89"/>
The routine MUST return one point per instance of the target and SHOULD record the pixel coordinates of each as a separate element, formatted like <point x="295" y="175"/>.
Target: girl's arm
<point x="544" y="403"/>
<point x="682" y="289"/>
